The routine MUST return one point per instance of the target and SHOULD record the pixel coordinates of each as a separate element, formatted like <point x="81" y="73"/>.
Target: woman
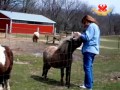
<point x="91" y="43"/>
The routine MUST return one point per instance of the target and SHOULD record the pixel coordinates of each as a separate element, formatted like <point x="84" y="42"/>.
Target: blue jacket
<point x="91" y="39"/>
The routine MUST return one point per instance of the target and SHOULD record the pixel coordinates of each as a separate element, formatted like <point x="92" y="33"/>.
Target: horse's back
<point x="53" y="57"/>
<point x="49" y="51"/>
<point x="51" y="48"/>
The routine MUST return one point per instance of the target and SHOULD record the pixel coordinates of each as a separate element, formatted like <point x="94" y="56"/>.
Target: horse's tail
<point x="46" y="66"/>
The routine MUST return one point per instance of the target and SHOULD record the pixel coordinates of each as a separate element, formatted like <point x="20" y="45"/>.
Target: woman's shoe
<point x="83" y="87"/>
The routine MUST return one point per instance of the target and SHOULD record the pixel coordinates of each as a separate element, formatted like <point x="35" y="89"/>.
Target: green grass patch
<point x="27" y="75"/>
<point x="110" y="42"/>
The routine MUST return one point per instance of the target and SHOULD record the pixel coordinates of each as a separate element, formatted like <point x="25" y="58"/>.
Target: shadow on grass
<point x="49" y="81"/>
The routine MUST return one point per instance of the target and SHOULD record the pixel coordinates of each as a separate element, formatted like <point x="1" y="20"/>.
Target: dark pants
<point x="88" y="59"/>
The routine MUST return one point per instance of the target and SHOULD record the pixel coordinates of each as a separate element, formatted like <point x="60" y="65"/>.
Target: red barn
<point x="25" y="23"/>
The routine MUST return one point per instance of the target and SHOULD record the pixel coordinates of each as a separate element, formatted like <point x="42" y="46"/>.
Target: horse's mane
<point x="63" y="46"/>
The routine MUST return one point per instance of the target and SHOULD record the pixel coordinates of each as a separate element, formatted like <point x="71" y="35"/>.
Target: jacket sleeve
<point x="88" y="34"/>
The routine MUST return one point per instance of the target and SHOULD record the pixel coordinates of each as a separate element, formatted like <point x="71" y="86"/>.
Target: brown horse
<point x="6" y="63"/>
<point x="61" y="57"/>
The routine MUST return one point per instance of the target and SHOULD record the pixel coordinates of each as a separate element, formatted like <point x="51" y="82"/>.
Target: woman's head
<point x="88" y="19"/>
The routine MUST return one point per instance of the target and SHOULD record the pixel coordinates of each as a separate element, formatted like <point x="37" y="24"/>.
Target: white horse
<point x="36" y="37"/>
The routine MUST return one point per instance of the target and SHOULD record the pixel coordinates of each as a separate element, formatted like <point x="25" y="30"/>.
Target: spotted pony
<point x="6" y="64"/>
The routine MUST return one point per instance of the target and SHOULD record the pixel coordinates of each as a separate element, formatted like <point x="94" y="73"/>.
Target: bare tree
<point x="116" y="21"/>
<point x="28" y="6"/>
<point x="66" y="13"/>
<point x="9" y="4"/>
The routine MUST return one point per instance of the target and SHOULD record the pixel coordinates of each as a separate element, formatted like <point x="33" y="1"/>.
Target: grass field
<point x="27" y="70"/>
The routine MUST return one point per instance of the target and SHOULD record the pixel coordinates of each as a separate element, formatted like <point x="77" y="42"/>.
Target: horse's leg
<point x="46" y="67"/>
<point x="1" y="77"/>
<point x="6" y="79"/>
<point x="46" y="71"/>
<point x="37" y="39"/>
<point x="7" y="85"/>
<point x="1" y="87"/>
<point x="34" y="38"/>
<point x="68" y="72"/>
<point x="1" y="82"/>
<point x="62" y="76"/>
<point x="7" y="75"/>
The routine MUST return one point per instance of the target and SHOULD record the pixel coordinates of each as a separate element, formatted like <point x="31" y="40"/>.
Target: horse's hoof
<point x="67" y="84"/>
<point x="8" y="89"/>
<point x="62" y="84"/>
<point x="45" y="78"/>
<point x="42" y="75"/>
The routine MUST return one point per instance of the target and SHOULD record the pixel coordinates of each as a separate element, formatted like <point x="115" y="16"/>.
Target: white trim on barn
<point x="10" y="25"/>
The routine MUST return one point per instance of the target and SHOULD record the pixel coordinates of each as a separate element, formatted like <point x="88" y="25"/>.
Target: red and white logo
<point x="102" y="10"/>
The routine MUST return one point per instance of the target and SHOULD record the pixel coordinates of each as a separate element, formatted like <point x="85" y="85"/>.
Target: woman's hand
<point x="76" y="34"/>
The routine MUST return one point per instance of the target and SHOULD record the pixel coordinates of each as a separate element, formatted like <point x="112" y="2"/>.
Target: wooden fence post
<point x="6" y="31"/>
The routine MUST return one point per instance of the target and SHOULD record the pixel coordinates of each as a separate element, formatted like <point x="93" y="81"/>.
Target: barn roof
<point x="26" y="17"/>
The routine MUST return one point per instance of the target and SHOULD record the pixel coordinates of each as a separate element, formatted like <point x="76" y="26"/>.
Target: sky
<point x="114" y="4"/>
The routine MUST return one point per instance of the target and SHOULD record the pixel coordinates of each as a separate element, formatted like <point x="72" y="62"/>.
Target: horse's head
<point x="70" y="43"/>
<point x="74" y="42"/>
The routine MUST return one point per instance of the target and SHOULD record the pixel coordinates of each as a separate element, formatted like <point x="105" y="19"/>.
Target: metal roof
<point x="26" y="17"/>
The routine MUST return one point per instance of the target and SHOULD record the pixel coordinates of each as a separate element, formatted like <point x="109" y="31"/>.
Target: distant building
<point x="25" y="23"/>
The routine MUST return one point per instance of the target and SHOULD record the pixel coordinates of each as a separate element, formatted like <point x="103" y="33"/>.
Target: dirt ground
<point x="23" y="45"/>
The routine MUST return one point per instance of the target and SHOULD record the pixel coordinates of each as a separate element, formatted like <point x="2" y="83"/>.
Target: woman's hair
<point x="89" y="19"/>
